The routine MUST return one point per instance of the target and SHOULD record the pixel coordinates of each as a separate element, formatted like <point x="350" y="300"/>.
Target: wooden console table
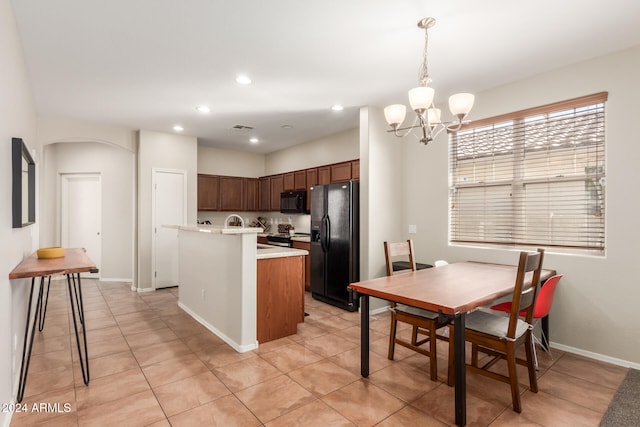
<point x="72" y="264"/>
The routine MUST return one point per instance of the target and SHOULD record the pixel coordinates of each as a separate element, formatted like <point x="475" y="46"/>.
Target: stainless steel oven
<point x="283" y="240"/>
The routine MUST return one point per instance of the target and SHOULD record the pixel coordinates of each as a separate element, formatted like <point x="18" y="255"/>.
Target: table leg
<point x="77" y="288"/>
<point x="364" y="335"/>
<point x="42" y="312"/>
<point x="28" y="341"/>
<point x="79" y="303"/>
<point x="544" y="324"/>
<point x="460" y="369"/>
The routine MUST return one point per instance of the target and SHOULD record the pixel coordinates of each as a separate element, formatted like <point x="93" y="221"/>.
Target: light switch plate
<point x="413" y="229"/>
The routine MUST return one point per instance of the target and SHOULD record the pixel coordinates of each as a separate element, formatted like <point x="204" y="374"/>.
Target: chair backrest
<point x="440" y="263"/>
<point x="544" y="300"/>
<point x="523" y="298"/>
<point x="399" y="249"/>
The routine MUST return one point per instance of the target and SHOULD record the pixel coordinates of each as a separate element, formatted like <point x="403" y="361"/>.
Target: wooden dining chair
<point x="500" y="336"/>
<point x="423" y="322"/>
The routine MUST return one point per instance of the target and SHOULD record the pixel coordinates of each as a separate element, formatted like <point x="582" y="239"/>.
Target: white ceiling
<point x="146" y="64"/>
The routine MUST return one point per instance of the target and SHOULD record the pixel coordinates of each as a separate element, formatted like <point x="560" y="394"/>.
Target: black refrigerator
<point x="335" y="243"/>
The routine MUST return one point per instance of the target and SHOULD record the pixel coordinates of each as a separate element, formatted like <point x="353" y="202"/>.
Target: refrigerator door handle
<point x="323" y="234"/>
<point x="327" y="230"/>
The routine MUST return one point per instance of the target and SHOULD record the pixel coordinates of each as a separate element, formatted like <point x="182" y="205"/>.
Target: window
<point x="531" y="178"/>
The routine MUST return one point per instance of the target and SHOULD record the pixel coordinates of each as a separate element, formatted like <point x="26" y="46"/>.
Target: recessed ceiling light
<point x="243" y="79"/>
<point x="286" y="127"/>
<point x="178" y="128"/>
<point x="337" y="107"/>
<point x="254" y="140"/>
<point x="204" y="109"/>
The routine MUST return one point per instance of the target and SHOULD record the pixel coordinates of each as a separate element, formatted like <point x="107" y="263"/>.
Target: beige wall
<point x="217" y="161"/>
<point x="57" y="129"/>
<point x="335" y="148"/>
<point x="17" y="119"/>
<point x="381" y="194"/>
<point x="116" y="167"/>
<point x="595" y="310"/>
<point x="161" y="151"/>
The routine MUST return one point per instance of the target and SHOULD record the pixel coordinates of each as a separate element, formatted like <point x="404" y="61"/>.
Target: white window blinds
<point x="531" y="178"/>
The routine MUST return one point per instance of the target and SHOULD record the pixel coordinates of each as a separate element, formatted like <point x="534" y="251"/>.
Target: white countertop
<point x="268" y="251"/>
<point x="214" y="229"/>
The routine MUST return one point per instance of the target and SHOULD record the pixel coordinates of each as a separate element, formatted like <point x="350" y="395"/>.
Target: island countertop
<point x="201" y="228"/>
<point x="268" y="251"/>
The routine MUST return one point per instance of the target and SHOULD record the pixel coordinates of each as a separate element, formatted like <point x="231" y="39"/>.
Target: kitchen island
<point x="243" y="292"/>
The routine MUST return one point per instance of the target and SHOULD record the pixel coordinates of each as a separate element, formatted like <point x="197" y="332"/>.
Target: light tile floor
<point x="153" y="365"/>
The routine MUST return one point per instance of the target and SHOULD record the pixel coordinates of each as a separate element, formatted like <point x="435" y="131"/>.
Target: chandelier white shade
<point x="421" y="100"/>
<point x="395" y="114"/>
<point x="461" y="103"/>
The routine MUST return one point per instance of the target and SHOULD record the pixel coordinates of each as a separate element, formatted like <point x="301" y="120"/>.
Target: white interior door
<point x="169" y="208"/>
<point x="81" y="218"/>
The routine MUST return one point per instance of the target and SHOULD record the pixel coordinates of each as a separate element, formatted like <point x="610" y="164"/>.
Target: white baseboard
<point x="108" y="279"/>
<point x="380" y="310"/>
<point x="237" y="347"/>
<point x="143" y="290"/>
<point x="565" y="348"/>
<point x="595" y="356"/>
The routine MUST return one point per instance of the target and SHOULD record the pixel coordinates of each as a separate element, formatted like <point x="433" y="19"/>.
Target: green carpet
<point x="624" y="409"/>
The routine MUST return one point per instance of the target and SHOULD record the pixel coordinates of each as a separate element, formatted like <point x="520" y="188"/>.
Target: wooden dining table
<point x="452" y="290"/>
<point x="74" y="262"/>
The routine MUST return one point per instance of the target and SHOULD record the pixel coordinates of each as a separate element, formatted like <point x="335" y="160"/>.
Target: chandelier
<point x="421" y="101"/>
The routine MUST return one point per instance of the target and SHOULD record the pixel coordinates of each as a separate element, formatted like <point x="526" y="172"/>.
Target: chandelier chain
<point x="423" y="72"/>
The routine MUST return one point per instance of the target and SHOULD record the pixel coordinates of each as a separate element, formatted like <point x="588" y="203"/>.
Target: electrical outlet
<point x="413" y="229"/>
<point x="204" y="294"/>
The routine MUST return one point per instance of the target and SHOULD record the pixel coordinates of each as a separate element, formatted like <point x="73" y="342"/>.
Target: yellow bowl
<point x="51" y="252"/>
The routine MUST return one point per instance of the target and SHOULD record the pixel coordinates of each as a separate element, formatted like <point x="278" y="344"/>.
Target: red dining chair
<point x="544" y="301"/>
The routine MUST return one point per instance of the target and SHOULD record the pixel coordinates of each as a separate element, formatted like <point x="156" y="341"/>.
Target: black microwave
<point x="293" y="202"/>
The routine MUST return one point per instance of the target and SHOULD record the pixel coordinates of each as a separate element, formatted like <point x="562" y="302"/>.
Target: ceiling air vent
<point x="242" y="127"/>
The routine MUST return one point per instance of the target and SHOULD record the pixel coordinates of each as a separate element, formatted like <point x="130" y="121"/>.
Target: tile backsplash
<point x="301" y="223"/>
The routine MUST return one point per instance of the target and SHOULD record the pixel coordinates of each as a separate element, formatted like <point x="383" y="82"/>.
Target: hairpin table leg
<point x="28" y="341"/>
<point x="42" y="313"/>
<point x="77" y="288"/>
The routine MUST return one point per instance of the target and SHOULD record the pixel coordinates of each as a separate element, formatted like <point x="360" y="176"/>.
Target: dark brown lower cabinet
<point x="280" y="297"/>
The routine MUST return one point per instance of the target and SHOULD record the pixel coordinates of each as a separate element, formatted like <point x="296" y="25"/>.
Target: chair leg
<point x="546" y="345"/>
<point x="530" y="352"/>
<point x="474" y="355"/>
<point x="535" y="353"/>
<point x="433" y="358"/>
<point x="392" y="335"/>
<point x="414" y="336"/>
<point x="513" y="378"/>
